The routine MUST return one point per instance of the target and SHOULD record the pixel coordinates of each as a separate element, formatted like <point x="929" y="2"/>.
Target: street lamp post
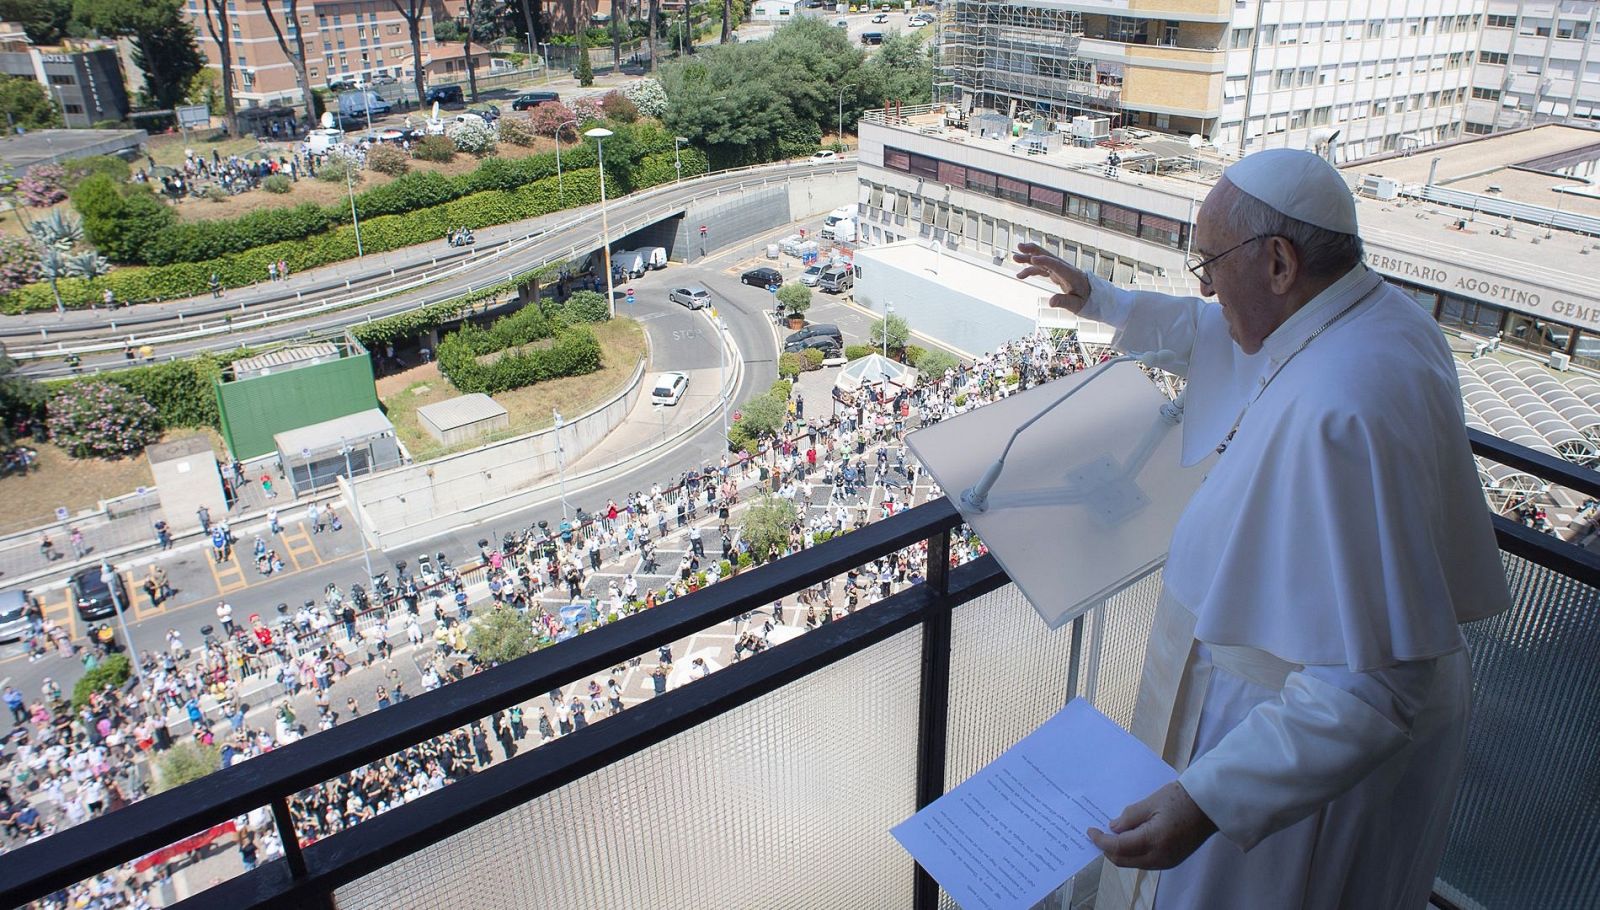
<point x="678" y="142"/>
<point x="354" y="218"/>
<point x="355" y="506"/>
<point x="546" y="46"/>
<point x="888" y="310"/>
<point x="561" y="465"/>
<point x="108" y="577"/>
<point x="599" y="135"/>
<point x="841" y="115"/>
<point x="561" y="186"/>
<point x="722" y="373"/>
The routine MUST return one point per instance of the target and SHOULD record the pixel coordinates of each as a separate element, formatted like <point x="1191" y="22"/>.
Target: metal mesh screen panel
<point x="1525" y="830"/>
<point x="1008" y="675"/>
<point x="784" y="802"/>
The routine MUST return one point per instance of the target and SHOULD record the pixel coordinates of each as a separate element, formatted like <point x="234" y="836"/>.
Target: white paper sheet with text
<point x="1016" y="830"/>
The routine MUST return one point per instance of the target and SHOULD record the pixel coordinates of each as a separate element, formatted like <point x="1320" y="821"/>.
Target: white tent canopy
<point x="872" y="370"/>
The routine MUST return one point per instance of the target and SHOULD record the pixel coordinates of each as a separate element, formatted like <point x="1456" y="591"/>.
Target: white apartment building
<point x="1538" y="62"/>
<point x="1369" y="76"/>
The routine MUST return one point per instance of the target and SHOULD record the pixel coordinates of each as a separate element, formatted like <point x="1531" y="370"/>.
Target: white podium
<point x="1090" y="493"/>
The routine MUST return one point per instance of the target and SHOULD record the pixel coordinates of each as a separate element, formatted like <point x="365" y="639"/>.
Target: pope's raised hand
<point x="1072" y="281"/>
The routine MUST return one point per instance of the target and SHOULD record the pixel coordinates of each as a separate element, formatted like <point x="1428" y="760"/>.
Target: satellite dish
<point x="1195" y="141"/>
<point x="436" y="110"/>
<point x="327" y="120"/>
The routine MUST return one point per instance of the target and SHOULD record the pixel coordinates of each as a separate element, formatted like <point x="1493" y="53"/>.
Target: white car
<point x="824" y="155"/>
<point x="880" y="18"/>
<point x="669" y="388"/>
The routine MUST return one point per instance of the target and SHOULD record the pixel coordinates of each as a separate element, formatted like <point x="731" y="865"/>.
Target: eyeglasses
<point x="1198" y="267"/>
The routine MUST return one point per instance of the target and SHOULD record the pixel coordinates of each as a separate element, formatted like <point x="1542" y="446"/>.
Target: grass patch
<point x="622" y="343"/>
<point x="59" y="480"/>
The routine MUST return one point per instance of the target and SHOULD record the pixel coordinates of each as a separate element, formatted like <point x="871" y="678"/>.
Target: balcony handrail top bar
<point x="347" y="856"/>
<point x="1546" y="467"/>
<point x="37" y="869"/>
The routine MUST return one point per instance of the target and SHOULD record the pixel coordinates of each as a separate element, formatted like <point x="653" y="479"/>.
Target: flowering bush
<point x="19" y="263"/>
<point x="386" y="159"/>
<point x="546" y="118"/>
<point x="648" y="96"/>
<point x="588" y="108"/>
<point x="41" y="186"/>
<point x="471" y="137"/>
<point x="515" y="130"/>
<point x="98" y="419"/>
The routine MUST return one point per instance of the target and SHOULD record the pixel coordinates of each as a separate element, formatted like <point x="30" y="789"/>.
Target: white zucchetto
<point x="1298" y="183"/>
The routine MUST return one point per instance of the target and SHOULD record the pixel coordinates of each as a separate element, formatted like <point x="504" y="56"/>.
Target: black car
<point x="93" y="597"/>
<point x="762" y="277"/>
<point x="444" y="94"/>
<point x="530" y="100"/>
<point x="797" y="341"/>
<point x="827" y="344"/>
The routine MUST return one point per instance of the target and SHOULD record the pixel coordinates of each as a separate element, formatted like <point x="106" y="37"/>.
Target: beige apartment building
<point x="344" y="39"/>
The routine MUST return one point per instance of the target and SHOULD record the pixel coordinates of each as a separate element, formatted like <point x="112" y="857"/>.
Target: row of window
<point x="1353" y="30"/>
<point x="1519" y="329"/>
<point x="1121" y="219"/>
<point x="1542" y="27"/>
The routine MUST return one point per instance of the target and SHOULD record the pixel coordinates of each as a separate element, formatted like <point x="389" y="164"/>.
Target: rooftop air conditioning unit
<point x="1560" y="360"/>
<point x="1091" y="128"/>
<point x="1379" y="187"/>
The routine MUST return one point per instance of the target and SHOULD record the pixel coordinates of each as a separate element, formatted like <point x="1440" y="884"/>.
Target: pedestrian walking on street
<point x="47" y="547"/>
<point x="266" y="486"/>
<point x="163" y="534"/>
<point x="204" y="514"/>
<point x="315" y="517"/>
<point x="79" y="548"/>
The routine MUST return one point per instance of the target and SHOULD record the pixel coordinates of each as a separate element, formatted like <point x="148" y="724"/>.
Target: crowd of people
<point x="233" y="174"/>
<point x="64" y="764"/>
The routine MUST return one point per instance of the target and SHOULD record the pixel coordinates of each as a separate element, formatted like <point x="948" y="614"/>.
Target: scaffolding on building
<point x="1021" y="60"/>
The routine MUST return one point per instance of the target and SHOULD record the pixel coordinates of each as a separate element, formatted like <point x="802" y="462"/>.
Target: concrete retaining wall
<point x="750" y="213"/>
<point x="419" y="500"/>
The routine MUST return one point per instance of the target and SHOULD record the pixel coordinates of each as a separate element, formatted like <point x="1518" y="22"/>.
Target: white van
<point x="631" y="262"/>
<point x="669" y="388"/>
<point x="655" y="256"/>
<point x="833" y="218"/>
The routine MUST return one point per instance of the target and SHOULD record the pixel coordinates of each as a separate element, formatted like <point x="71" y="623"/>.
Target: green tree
<point x="933" y="363"/>
<point x="20" y="397"/>
<point x="585" y="68"/>
<point x="766" y="524"/>
<point x="27" y="103"/>
<point x="901" y="70"/>
<point x="163" y="42"/>
<point x="56" y="234"/>
<point x="119" y="218"/>
<point x="501" y="635"/>
<point x="184" y="763"/>
<point x="763" y="414"/>
<point x="899" y="333"/>
<point x="796" y="298"/>
<point x="44" y="21"/>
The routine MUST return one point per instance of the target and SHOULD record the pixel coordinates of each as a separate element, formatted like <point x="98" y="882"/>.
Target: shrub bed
<point x="463" y="354"/>
<point x="99" y="419"/>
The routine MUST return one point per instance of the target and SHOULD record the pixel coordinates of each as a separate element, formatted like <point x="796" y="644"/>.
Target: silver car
<point x="693" y="296"/>
<point x="811" y="276"/>
<point x="13" y="615"/>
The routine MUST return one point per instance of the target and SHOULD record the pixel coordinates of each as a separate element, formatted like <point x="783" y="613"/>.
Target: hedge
<point x="183" y="392"/>
<point x="412" y="323"/>
<point x="378" y="235"/>
<point x="572" y="351"/>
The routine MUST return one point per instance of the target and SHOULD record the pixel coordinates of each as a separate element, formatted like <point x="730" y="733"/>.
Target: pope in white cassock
<point x="1306" y="676"/>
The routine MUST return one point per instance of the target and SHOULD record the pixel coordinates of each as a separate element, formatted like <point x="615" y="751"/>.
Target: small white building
<point x="969" y="305"/>
<point x="773" y="11"/>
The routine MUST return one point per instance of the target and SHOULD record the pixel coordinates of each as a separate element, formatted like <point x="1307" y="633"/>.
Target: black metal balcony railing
<point x="773" y="782"/>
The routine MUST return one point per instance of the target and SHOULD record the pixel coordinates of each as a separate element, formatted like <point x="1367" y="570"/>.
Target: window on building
<point x="1165" y="231"/>
<point x="1485" y="94"/>
<point x="1240" y="38"/>
<point x="1470" y="315"/>
<point x="312" y="72"/>
<point x="1083" y="209"/>
<point x="241" y="60"/>
<point x="62" y="79"/>
<point x="923" y="166"/>
<point x="1169" y="34"/>
<point x="952" y="174"/>
<point x="1119" y="219"/>
<point x="1305" y="75"/>
<point x="1321" y="116"/>
<point x="1269" y="34"/>
<point x="1493" y="58"/>
<point x="1375" y="29"/>
<point x="1297" y="119"/>
<point x="1282" y="78"/>
<point x="73" y="108"/>
<point x="896" y="159"/>
<point x="1043" y="197"/>
<point x="1012" y="189"/>
<point x="981" y="181"/>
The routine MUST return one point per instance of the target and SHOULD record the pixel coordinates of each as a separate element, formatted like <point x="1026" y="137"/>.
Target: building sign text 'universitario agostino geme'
<point x="1533" y="299"/>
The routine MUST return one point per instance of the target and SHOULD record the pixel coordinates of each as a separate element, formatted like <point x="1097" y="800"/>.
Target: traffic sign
<point x="630" y="298"/>
<point x="629" y="292"/>
<point x="702" y="230"/>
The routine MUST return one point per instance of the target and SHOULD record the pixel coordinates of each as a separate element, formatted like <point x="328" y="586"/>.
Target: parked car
<point x="362" y="104"/>
<point x="92" y="597"/>
<point x="489" y="112"/>
<point x="880" y="18"/>
<point x="693" y="296"/>
<point x="841" y="22"/>
<point x="762" y="277"/>
<point x="13" y="614"/>
<point x="384" y="80"/>
<point x="530" y="100"/>
<point x="836" y="279"/>
<point x="872" y="37"/>
<point x="809" y="276"/>
<point x="443" y="94"/>
<point x="343" y="85"/>
<point x="827" y="344"/>
<point x="824" y="155"/>
<point x="821" y="331"/>
<point x="669" y="388"/>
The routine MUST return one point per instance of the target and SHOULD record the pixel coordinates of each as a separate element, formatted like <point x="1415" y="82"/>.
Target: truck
<point x="844" y="230"/>
<point x="834" y="217"/>
<point x="836" y="279"/>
